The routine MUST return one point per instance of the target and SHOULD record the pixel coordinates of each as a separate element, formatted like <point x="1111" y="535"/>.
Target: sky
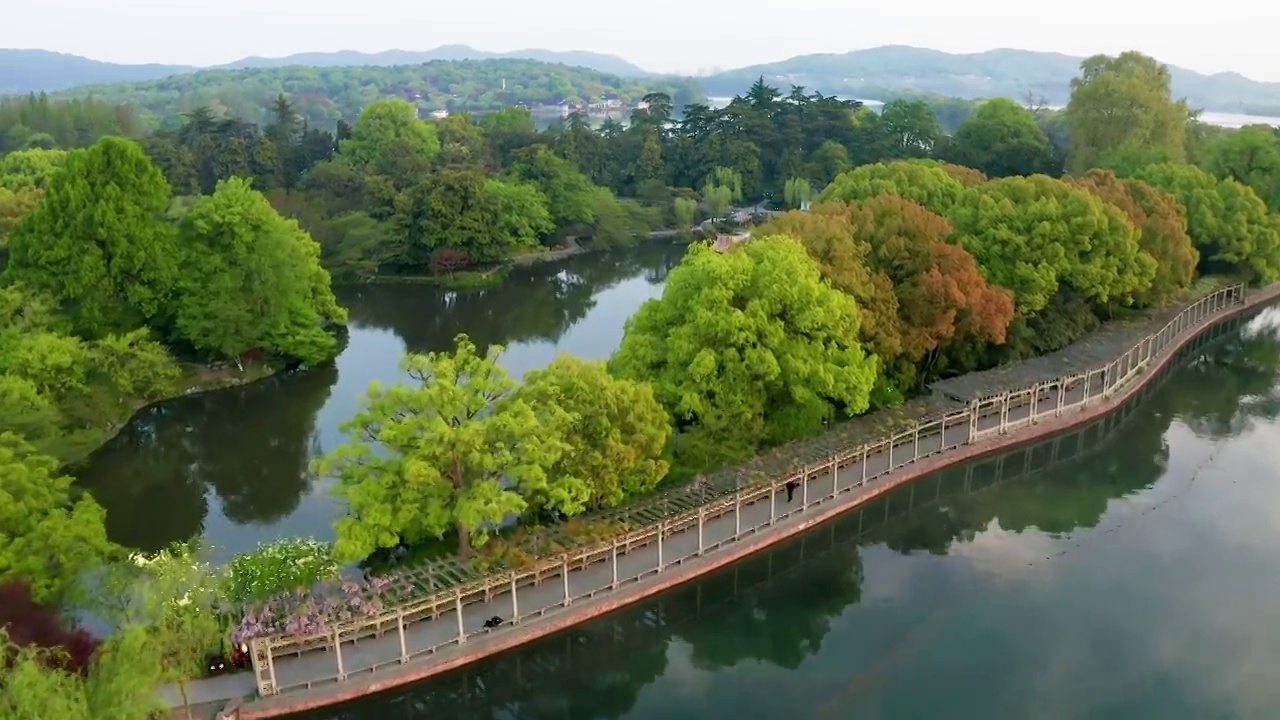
<point x="658" y="35"/>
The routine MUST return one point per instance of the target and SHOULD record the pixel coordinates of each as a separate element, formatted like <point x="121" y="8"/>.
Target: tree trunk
<point x="464" y="541"/>
<point x="464" y="536"/>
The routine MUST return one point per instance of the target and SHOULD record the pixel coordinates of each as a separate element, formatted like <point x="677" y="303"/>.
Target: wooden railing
<point x="818" y="484"/>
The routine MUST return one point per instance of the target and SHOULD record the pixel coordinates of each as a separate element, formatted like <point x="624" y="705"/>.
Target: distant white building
<point x="439" y="114"/>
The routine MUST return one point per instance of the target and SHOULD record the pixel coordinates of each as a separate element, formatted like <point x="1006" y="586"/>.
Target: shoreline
<point x="321" y="692"/>
<point x="253" y="373"/>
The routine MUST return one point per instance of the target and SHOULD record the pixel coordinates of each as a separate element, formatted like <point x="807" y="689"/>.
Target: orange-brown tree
<point x="918" y="293"/>
<point x="941" y="294"/>
<point x="1164" y="230"/>
<point x="826" y="231"/>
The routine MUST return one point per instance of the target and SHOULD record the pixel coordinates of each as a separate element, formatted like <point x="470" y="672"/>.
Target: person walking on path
<point x="791" y="489"/>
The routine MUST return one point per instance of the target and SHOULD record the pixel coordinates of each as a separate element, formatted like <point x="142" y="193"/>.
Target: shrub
<point x="279" y="567"/>
<point x="28" y="623"/>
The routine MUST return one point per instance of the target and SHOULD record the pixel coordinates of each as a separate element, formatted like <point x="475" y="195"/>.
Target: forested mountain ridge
<point x="599" y="62"/>
<point x="885" y="72"/>
<point x="27" y="71"/>
<point x="326" y="95"/>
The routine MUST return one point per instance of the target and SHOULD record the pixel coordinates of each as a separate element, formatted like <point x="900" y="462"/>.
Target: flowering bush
<point x="283" y="566"/>
<point x="310" y="613"/>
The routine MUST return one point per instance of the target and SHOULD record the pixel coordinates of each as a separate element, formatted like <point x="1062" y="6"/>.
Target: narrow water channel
<point x="230" y="467"/>
<point x="1123" y="570"/>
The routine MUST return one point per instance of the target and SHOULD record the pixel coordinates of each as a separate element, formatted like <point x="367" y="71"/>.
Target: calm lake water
<point x="1125" y="570"/>
<point x="231" y="466"/>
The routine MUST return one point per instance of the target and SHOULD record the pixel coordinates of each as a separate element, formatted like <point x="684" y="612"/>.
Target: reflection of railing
<point x="428" y="625"/>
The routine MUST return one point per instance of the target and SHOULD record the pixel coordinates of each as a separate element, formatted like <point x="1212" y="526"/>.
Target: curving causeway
<point x="706" y="528"/>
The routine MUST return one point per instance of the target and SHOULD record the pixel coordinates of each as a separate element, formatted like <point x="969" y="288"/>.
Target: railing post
<point x="915" y="439"/>
<point x="1062" y="397"/>
<point x="701" y="512"/>
<point x="457" y="607"/>
<point x="337" y="655"/>
<point x="515" y="602"/>
<point x="404" y="647"/>
<point x="864" y="467"/>
<point x="1088" y="375"/>
<point x="942" y="433"/>
<point x="804" y="489"/>
<point x="1035" y="401"/>
<point x="737" y="514"/>
<point x="975" y="411"/>
<point x="773" y="497"/>
<point x="614" y="563"/>
<point x="1004" y="413"/>
<point x="661" y="526"/>
<point x="835" y="476"/>
<point x="564" y="575"/>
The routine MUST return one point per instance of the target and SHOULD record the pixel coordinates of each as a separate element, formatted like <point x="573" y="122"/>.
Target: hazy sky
<point x="659" y="35"/>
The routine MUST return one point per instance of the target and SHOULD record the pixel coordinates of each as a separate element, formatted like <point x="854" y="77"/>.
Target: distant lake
<point x="1221" y="119"/>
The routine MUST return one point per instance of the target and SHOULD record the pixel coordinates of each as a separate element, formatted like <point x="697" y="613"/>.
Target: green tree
<point x="750" y="346"/>
<point x="13" y="207"/>
<point x="722" y="188"/>
<point x="684" y="210"/>
<point x="1122" y="106"/>
<point x="828" y="236"/>
<point x="252" y="280"/>
<point x="121" y="682"/>
<point x="460" y="450"/>
<point x="1001" y="139"/>
<point x="1226" y="220"/>
<point x="524" y="217"/>
<point x="1164" y="231"/>
<point x="618" y="427"/>
<point x="170" y="596"/>
<point x="97" y="242"/>
<point x="569" y="193"/>
<point x="1250" y="155"/>
<point x="926" y="184"/>
<point x="30" y="688"/>
<point x="30" y="169"/>
<point x="387" y="128"/>
<point x="1031" y="234"/>
<point x="911" y="127"/>
<point x="829" y="160"/>
<point x="48" y="539"/>
<point x="796" y="192"/>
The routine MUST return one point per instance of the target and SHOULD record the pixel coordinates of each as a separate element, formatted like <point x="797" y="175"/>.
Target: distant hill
<point x="883" y="72"/>
<point x="324" y="95"/>
<point x="25" y="71"/>
<point x="611" y="64"/>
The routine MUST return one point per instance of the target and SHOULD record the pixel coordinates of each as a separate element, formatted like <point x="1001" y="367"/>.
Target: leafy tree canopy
<point x="751" y="344"/>
<point x="252" y="280"/>
<point x="926" y="184"/>
<point x="1030" y="234"/>
<point x="97" y="242"/>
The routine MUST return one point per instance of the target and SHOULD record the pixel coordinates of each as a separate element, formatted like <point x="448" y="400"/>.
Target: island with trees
<point x="921" y="254"/>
